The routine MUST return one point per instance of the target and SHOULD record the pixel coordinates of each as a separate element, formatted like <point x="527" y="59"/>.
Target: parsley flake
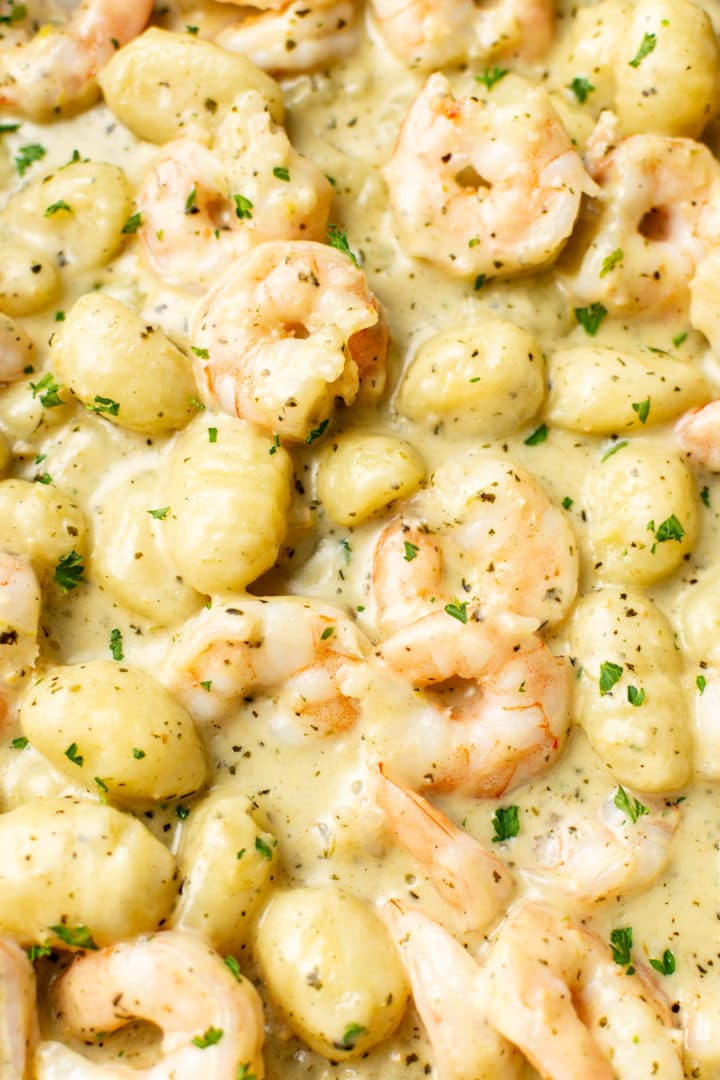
<point x="506" y="823"/>
<point x="633" y="808"/>
<point x="160" y="514"/>
<point x="211" y="1037"/>
<point x="490" y="76"/>
<point x="621" y="941"/>
<point x="411" y="551"/>
<point x="191" y="206"/>
<point x="133" y="223"/>
<point x="679" y="339"/>
<point x="327" y="633"/>
<point x="69" y="571"/>
<point x="317" y="433"/>
<point x="72" y="754"/>
<point x="666" y="966"/>
<point x="56" y="207"/>
<point x="635" y="697"/>
<point x="115" y="644"/>
<point x="591" y="317"/>
<point x="567" y="502"/>
<point x="19" y="743"/>
<point x="79" y="937"/>
<point x="647" y="45"/>
<point x="479" y="282"/>
<point x="183" y="812"/>
<point x="47" y="390"/>
<point x="36" y="952"/>
<point x="338" y="239"/>
<point x="701" y="683"/>
<point x="538" y="436"/>
<point x="281" y="173"/>
<point x="705" y="495"/>
<point x="203" y="354"/>
<point x="27" y="155"/>
<point x="581" y="88"/>
<point x="104" y="405"/>
<point x="212" y="434"/>
<point x="243" y="1072"/>
<point x="350" y="1036"/>
<point x="275" y="446"/>
<point x="609" y="675"/>
<point x="642" y="408"/>
<point x="233" y="966"/>
<point x="207" y="685"/>
<point x="266" y="850"/>
<point x="610" y="261"/>
<point x="458" y="611"/>
<point x="138" y="754"/>
<point x="614" y="449"/>
<point x="243" y="207"/>
<point x="669" y="529"/>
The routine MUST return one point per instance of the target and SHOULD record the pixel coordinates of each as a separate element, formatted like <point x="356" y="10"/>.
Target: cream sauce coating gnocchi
<point x="359" y="540"/>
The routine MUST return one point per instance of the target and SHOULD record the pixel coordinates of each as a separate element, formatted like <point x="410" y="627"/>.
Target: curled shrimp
<point x="286" y="646"/>
<point x="558" y="995"/>
<point x="698" y="435"/>
<point x="484" y="188"/>
<point x="202" y="206"/>
<point x="289" y="329"/>
<point x="54" y="71"/>
<point x="450" y="995"/>
<point x="500" y="700"/>
<point x="19" y="614"/>
<point x="485" y="530"/>
<point x="431" y="34"/>
<point x="463" y="872"/>
<point x="211" y="1022"/>
<point x="16" y="350"/>
<point x="295" y="36"/>
<point x="652" y="225"/>
<point x="18" y="1017"/>
<point x="594" y="858"/>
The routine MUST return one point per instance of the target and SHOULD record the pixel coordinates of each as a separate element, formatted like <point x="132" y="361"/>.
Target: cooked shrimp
<point x="431" y="34"/>
<point x="203" y="207"/>
<point x="54" y="71"/>
<point x="698" y="434"/>
<point x="654" y="222"/>
<point x="289" y="329"/>
<point x="493" y="531"/>
<point x="556" y="993"/>
<point x="16" y="350"/>
<point x="287" y="646"/>
<point x="464" y="873"/>
<point x="298" y="37"/>
<point x="450" y="995"/>
<point x="19" y="614"/>
<point x="501" y="699"/>
<point x="212" y="1023"/>
<point x="18" y="1018"/>
<point x="594" y="858"/>
<point x="491" y="189"/>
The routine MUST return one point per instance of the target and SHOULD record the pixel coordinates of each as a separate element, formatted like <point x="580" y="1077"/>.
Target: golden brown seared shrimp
<point x="484" y="189"/>
<point x="432" y="33"/>
<point x="212" y="1022"/>
<point x="295" y="36"/>
<point x="203" y="206"/>
<point x="501" y="697"/>
<point x="54" y="71"/>
<point x="292" y="327"/>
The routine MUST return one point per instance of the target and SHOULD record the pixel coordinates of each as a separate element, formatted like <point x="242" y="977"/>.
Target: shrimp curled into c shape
<point x="433" y="33"/>
<point x="500" y="699"/>
<point x="54" y="71"/>
<point x="298" y="37"/>
<point x="18" y="1017"/>
<point x="290" y="328"/>
<point x="487" y="189"/>
<point x="212" y="1023"/>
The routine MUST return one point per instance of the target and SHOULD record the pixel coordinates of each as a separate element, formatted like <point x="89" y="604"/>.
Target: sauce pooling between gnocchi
<point x="359" y="649"/>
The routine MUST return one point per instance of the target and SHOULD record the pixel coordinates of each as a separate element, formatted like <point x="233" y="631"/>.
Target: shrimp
<point x="464" y="873"/>
<point x="299" y="36"/>
<point x="595" y="858"/>
<point x="212" y="1023"/>
<point x="500" y="699"/>
<point x="202" y="207"/>
<point x="20" y="599"/>
<point x="484" y="529"/>
<point x="18" y="1017"/>
<point x="450" y="994"/>
<point x="285" y="645"/>
<point x="698" y="435"/>
<point x="558" y="995"/>
<point x="289" y="329"/>
<point x="16" y="350"/>
<point x="431" y="34"/>
<point x="484" y="188"/>
<point x="653" y="224"/>
<point x="54" y="71"/>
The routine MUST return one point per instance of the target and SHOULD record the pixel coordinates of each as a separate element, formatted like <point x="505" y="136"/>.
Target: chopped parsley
<point x="102" y="789"/>
<point x="266" y="850"/>
<point x="138" y="754"/>
<point x="666" y="966"/>
<point x="73" y="754"/>
<point x="183" y="812"/>
<point x="233" y="966"/>
<point x="635" y="697"/>
<point x="133" y="223"/>
<point x="211" y="1037"/>
<point x="479" y="282"/>
<point x="669" y="529"/>
<point x="411" y="551"/>
<point x="243" y="207"/>
<point x="104" y="405"/>
<point x="538" y="436"/>
<point x="591" y="317"/>
<point x="346" y="549"/>
<point x="27" y="155"/>
<point x="610" y="261"/>
<point x="6" y="129"/>
<point x="207" y="685"/>
<point x="20" y="743"/>
<point x="327" y="633"/>
<point x="47" y="390"/>
<point x="679" y="339"/>
<point x="647" y="45"/>
<point x="160" y="514"/>
<point x="275" y="446"/>
<point x="338" y="239"/>
<point x="115" y="644"/>
<point x="642" y="408"/>
<point x="191" y="206"/>
<point x="614" y="449"/>
<point x="281" y="173"/>
<point x="621" y="941"/>
<point x="581" y="88"/>
<point x="69" y="571"/>
<point x="490" y="76"/>
<point x="56" y="207"/>
<point x="567" y="502"/>
<point x="204" y="354"/>
<point x="16" y="14"/>
<point x="212" y="434"/>
<point x="705" y="495"/>
<point x="36" y="952"/>
<point x="77" y="936"/>
<point x="243" y="1072"/>
<point x="701" y="683"/>
<point x="350" y="1036"/>
<point x="317" y="433"/>
<point x="506" y="823"/>
<point x="458" y="611"/>
<point x="632" y="808"/>
<point x="609" y="675"/>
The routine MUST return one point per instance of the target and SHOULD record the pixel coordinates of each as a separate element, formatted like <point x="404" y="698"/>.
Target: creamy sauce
<point x="309" y="791"/>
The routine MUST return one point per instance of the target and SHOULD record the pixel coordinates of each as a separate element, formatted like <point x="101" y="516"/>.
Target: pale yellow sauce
<point x="307" y="789"/>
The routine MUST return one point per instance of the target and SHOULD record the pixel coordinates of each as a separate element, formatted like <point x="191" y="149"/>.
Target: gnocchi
<point x="28" y="281"/>
<point x="41" y="522"/>
<point x="360" y="474"/>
